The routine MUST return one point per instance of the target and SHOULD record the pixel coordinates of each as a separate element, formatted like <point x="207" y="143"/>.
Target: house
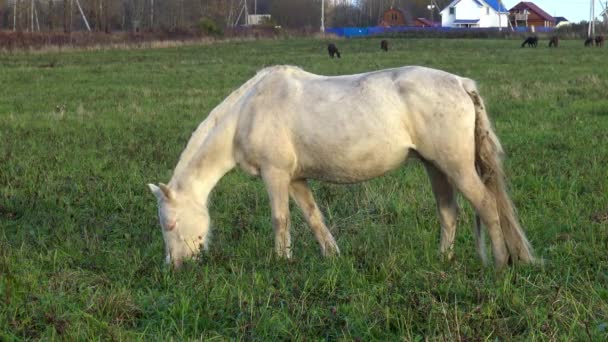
<point x="392" y="17"/>
<point x="475" y="13"/>
<point x="424" y="22"/>
<point x="561" y="21"/>
<point x="258" y="19"/>
<point x="528" y="14"/>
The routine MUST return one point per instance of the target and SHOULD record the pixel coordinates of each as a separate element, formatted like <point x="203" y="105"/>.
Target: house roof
<point x="534" y="8"/>
<point x="495" y="4"/>
<point x="560" y="20"/>
<point x="466" y="21"/>
<point x="427" y="22"/>
<point x="402" y="11"/>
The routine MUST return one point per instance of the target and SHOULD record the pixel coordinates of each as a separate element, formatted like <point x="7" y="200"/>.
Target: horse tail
<point x="488" y="153"/>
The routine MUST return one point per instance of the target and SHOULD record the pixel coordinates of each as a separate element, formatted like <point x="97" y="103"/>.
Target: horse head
<point x="184" y="223"/>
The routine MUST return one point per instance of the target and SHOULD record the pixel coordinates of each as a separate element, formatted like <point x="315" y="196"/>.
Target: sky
<point x="573" y="10"/>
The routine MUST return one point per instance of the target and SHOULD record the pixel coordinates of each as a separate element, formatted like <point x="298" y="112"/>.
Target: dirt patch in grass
<point x="600" y="217"/>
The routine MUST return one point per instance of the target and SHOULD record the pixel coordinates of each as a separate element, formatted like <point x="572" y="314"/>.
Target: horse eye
<point x="171" y="225"/>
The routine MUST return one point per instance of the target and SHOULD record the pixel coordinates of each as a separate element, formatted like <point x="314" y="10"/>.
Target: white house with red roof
<point x="475" y="13"/>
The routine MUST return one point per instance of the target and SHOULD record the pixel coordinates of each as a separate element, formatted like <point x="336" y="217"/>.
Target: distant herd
<point x="531" y="41"/>
<point x="334" y="52"/>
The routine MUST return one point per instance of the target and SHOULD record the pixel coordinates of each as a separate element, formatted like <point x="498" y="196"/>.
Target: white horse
<point x="287" y="126"/>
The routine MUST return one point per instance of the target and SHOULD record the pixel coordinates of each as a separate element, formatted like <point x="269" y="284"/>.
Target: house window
<point x="452" y="10"/>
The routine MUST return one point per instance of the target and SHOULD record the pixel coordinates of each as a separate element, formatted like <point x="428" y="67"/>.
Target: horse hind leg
<point x="277" y="185"/>
<point x="484" y="202"/>
<point x="300" y="192"/>
<point x="447" y="208"/>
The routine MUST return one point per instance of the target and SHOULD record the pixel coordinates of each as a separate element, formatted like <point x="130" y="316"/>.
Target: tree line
<point x="126" y="15"/>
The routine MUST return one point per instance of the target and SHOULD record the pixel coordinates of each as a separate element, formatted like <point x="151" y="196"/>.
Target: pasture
<point x="81" y="252"/>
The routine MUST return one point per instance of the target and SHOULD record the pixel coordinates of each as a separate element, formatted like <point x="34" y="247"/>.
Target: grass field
<point x="81" y="252"/>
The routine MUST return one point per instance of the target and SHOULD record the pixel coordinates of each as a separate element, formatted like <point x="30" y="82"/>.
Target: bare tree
<point x="67" y="16"/>
<point x="105" y="15"/>
<point x="372" y="10"/>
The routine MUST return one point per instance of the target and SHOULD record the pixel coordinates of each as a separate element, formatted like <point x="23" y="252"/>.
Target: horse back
<point x="320" y="126"/>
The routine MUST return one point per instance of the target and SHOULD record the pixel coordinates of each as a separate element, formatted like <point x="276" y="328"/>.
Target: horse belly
<point x="341" y="133"/>
<point x="359" y="161"/>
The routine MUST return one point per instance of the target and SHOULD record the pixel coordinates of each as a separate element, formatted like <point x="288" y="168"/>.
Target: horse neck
<point x="198" y="138"/>
<point x="214" y="118"/>
<point x="208" y="164"/>
<point x="208" y="155"/>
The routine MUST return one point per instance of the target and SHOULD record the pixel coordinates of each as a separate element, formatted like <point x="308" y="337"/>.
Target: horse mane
<point x="215" y="116"/>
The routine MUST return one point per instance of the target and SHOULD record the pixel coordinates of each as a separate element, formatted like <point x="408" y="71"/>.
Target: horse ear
<point x="166" y="191"/>
<point x="161" y="191"/>
<point x="156" y="191"/>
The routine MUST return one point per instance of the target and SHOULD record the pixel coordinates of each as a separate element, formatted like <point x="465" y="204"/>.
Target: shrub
<point x="210" y="27"/>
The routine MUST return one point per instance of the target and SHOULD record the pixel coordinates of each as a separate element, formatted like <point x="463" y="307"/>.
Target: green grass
<point x="81" y="252"/>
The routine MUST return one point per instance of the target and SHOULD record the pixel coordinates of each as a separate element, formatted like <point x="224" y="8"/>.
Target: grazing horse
<point x="384" y="45"/>
<point x="532" y="41"/>
<point x="599" y="41"/>
<point x="589" y="42"/>
<point x="554" y="42"/>
<point x="333" y="50"/>
<point x="289" y="126"/>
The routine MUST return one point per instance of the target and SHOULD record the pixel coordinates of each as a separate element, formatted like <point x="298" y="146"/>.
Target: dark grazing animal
<point x="384" y="45"/>
<point x="532" y="41"/>
<point x="589" y="42"/>
<point x="333" y="50"/>
<point x="599" y="41"/>
<point x="554" y="42"/>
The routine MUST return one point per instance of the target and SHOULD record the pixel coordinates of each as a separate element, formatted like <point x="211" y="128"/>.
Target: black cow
<point x="532" y="41"/>
<point x="384" y="45"/>
<point x="333" y="50"/>
<point x="589" y="42"/>
<point x="554" y="42"/>
<point x="599" y="41"/>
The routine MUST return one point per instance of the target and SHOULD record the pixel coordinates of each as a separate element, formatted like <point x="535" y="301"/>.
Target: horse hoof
<point x="448" y="256"/>
<point x="330" y="249"/>
<point x="283" y="253"/>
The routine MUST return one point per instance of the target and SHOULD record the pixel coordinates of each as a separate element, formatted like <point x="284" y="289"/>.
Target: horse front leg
<point x="301" y="193"/>
<point x="277" y="185"/>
